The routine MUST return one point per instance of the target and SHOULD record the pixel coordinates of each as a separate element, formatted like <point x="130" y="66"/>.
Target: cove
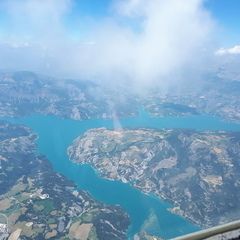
<point x="56" y="134"/>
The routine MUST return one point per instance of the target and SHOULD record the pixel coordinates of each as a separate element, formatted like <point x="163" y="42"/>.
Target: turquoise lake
<point x="56" y="134"/>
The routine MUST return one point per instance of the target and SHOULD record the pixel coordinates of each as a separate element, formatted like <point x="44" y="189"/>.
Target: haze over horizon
<point x="143" y="42"/>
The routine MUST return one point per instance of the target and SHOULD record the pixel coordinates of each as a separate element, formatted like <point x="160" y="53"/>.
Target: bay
<point x="57" y="134"/>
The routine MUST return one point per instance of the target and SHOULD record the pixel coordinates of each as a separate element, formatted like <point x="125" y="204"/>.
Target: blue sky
<point x="225" y="12"/>
<point x="94" y="8"/>
<point x="227" y="15"/>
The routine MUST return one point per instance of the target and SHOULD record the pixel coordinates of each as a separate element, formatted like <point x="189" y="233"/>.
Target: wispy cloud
<point x="34" y="17"/>
<point x="228" y="51"/>
<point x="172" y="36"/>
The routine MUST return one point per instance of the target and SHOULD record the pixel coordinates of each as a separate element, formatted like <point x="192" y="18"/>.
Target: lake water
<point x="56" y="134"/>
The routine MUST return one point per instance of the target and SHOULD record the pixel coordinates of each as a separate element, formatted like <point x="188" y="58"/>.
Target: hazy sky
<point x="141" y="40"/>
<point x="225" y="12"/>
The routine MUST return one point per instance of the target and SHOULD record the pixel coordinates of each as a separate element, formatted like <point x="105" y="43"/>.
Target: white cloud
<point x="171" y="37"/>
<point x="228" y="51"/>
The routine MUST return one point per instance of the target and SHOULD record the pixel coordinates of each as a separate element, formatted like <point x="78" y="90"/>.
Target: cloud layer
<point x="142" y="41"/>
